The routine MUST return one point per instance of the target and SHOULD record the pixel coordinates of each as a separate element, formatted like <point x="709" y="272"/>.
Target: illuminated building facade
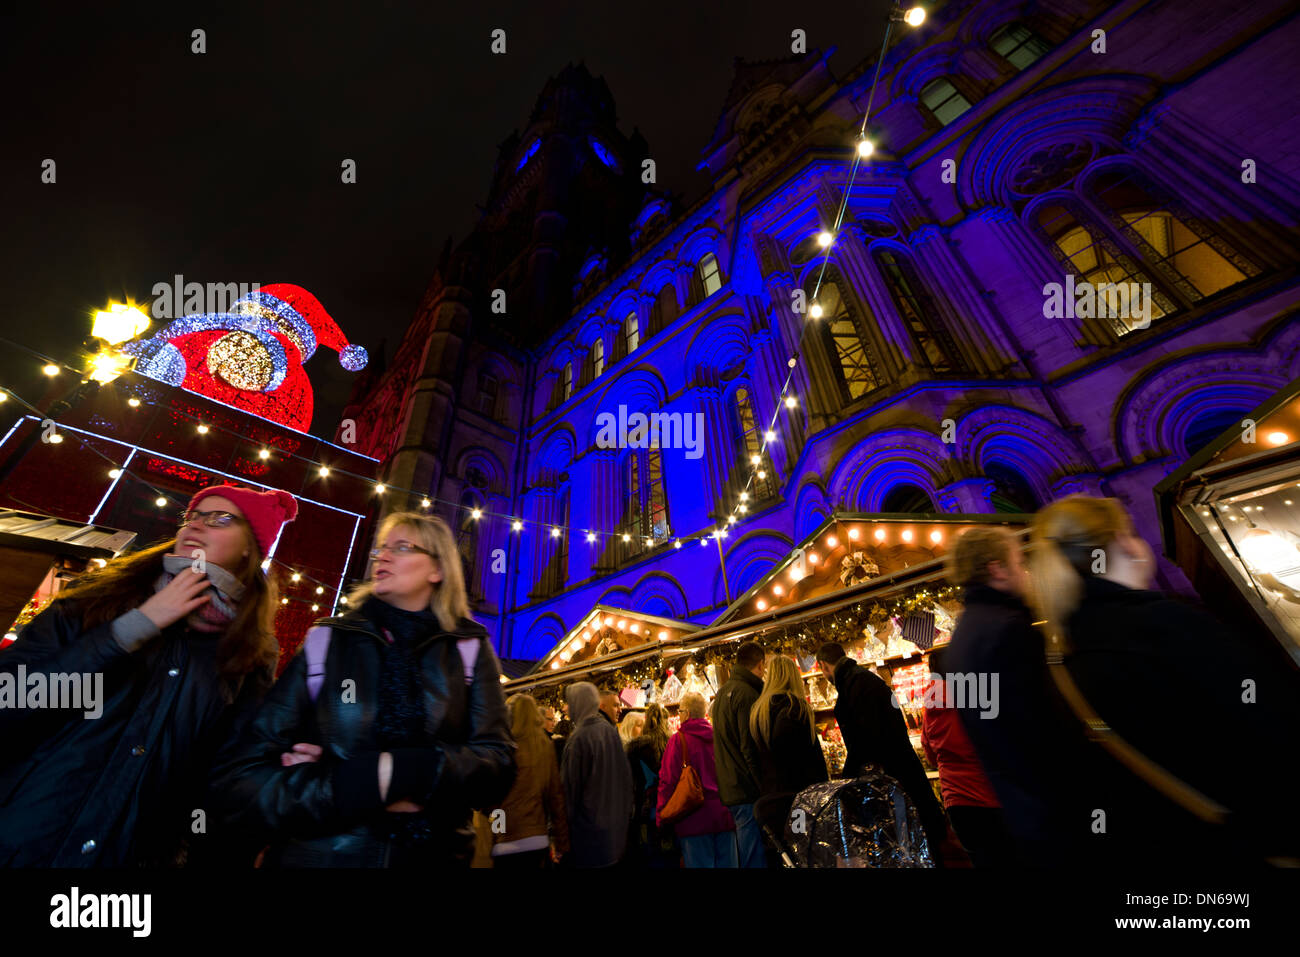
<point x="958" y="366"/>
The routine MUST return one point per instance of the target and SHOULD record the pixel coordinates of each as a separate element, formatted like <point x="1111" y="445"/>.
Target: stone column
<point x="968" y="496"/>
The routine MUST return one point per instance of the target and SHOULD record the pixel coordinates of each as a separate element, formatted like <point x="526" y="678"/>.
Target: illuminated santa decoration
<point x="252" y="357"/>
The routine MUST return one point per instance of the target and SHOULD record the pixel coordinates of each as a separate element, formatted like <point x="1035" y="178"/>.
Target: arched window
<point x="1018" y="45"/>
<point x="934" y="345"/>
<point x="907" y="499"/>
<point x="708" y="274"/>
<point x="850" y="354"/>
<point x="645" y="502"/>
<point x="944" y="101"/>
<point x="1011" y="490"/>
<point x="750" y="444"/>
<point x="665" y="309"/>
<point x="1093" y="256"/>
<point x="555" y="552"/>
<point x="488" y="387"/>
<point x="630" y="337"/>
<point x="597" y="358"/>
<point x="467" y="541"/>
<point x="1187" y="255"/>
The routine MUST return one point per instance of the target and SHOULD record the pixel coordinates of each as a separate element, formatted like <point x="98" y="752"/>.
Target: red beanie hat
<point x="265" y="512"/>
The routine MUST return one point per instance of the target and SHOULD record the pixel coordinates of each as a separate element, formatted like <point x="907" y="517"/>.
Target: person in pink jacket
<point x="708" y="834"/>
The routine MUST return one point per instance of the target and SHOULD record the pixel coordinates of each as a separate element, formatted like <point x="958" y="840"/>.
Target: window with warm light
<point x="845" y="343"/>
<point x="709" y="275"/>
<point x="750" y="445"/>
<point x="935" y="346"/>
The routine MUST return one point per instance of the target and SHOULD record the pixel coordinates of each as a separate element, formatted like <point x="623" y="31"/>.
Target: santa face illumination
<point x="252" y="357"/>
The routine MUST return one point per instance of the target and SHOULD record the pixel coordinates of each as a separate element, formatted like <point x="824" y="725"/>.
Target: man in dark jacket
<point x="875" y="733"/>
<point x="735" y="756"/>
<point x="597" y="782"/>
<point x="1027" y="744"/>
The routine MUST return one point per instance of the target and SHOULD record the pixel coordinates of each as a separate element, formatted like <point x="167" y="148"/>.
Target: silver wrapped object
<point x="867" y="821"/>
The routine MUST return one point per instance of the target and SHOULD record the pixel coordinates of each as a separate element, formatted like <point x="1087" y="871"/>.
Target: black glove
<point x="356" y="785"/>
<point x="415" y="773"/>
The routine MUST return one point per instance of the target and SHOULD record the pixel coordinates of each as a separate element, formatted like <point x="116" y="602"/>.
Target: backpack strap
<point x="468" y="648"/>
<point x="315" y="648"/>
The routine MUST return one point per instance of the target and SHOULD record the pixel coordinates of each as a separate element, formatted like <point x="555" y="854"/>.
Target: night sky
<point x="225" y="167"/>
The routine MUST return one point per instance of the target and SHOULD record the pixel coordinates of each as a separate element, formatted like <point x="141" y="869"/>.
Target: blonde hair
<point x="692" y="705"/>
<point x="781" y="678"/>
<point x="968" y="562"/>
<point x="1063" y="542"/>
<point x="449" y="603"/>
<point x="631" y="726"/>
<point x="656" y="728"/>
<point x="526" y="728"/>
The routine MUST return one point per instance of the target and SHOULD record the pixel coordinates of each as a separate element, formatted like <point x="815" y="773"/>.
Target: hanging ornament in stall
<point x="857" y="568"/>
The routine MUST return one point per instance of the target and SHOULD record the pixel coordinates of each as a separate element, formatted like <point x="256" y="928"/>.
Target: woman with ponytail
<point x="1172" y="682"/>
<point x="175" y="644"/>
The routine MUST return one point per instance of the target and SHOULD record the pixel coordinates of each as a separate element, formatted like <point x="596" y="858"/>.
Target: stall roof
<point x="888" y="541"/>
<point x="605" y="630"/>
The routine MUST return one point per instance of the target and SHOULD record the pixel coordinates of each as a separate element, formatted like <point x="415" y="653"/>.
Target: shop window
<point x="934" y="345"/>
<point x="944" y="101"/>
<point x="1018" y="45"/>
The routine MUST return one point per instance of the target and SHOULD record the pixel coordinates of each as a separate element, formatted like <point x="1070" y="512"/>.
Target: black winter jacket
<point x="735" y="756"/>
<point x="790" y="758"/>
<point x="875" y="733"/>
<point x="121" y="789"/>
<point x="294" y="808"/>
<point x="1033" y="751"/>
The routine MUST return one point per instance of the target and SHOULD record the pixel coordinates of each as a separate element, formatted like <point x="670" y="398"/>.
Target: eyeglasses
<point x="211" y="519"/>
<point x="401" y="548"/>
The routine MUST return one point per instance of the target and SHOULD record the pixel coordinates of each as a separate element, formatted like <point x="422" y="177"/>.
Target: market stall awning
<point x="607" y="631"/>
<point x="851" y="549"/>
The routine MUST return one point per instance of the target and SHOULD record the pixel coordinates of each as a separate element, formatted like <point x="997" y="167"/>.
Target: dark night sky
<point x="225" y="167"/>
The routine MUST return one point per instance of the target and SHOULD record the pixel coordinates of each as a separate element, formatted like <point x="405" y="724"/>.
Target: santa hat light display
<point x="252" y="356"/>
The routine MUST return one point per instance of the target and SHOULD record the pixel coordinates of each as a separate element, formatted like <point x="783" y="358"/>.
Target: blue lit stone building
<point x="1011" y="154"/>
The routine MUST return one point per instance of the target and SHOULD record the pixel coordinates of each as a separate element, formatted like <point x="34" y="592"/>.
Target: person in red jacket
<point x="707" y="834"/>
<point x="973" y="808"/>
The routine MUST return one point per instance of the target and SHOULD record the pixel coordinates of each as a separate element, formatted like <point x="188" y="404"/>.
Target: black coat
<point x="121" y="789"/>
<point x="1032" y="749"/>
<point x="294" y="808"/>
<point x="875" y="733"/>
<point x="735" y="756"/>
<point x="1169" y="679"/>
<point x="790" y="759"/>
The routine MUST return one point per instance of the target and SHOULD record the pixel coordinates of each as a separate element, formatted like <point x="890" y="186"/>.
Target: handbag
<point x="688" y="796"/>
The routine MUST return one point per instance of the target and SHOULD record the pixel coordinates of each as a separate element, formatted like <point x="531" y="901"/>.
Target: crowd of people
<point x="388" y="742"/>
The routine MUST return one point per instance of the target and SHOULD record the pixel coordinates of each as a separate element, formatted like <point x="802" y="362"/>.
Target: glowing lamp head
<point x="825" y="238"/>
<point x="914" y="17"/>
<point x="769" y="436"/>
<point x="591" y="537"/>
<point x="517" y="525"/>
<point x="677" y="544"/>
<point x="202" y="429"/>
<point x="160" y="501"/>
<point x="295" y="577"/>
<point x="853" y="534"/>
<point x="663" y="636"/>
<point x="815" y="310"/>
<point x="1278" y="438"/>
<point x="476" y="514"/>
<point x="555" y="533"/>
<point x="118" y="323"/>
<point x="791" y="402"/>
<point x="627" y="537"/>
<point x="761" y="605"/>
<point x="880" y="534"/>
<point x="50" y="370"/>
<point x="264" y="454"/>
<point x="114" y="473"/>
<point x="381" y="488"/>
<point x="133" y="402"/>
<point x="778" y="590"/>
<point x="907" y="534"/>
<point x="56" y="438"/>
<point x="609" y="620"/>
<point x="865" y="147"/>
<point x="936" y="536"/>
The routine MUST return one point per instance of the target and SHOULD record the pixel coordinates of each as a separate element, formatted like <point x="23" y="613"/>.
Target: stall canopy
<point x="606" y="631"/>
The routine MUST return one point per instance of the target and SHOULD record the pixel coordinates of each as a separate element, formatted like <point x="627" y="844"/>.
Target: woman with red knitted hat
<point x="179" y="643"/>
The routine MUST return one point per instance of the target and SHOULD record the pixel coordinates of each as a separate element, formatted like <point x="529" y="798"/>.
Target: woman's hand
<point x="404" y="807"/>
<point x="182" y="595"/>
<point x="301" y="754"/>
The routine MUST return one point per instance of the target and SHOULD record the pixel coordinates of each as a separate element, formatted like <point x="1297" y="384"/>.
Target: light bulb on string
<point x="476" y="514"/>
<point x="50" y="370"/>
<point x="160" y="501"/>
<point x="425" y="503"/>
<point x="914" y="17"/>
<point x="517" y="525"/>
<point x="114" y="473"/>
<point x="627" y="537"/>
<point x="264" y="454"/>
<point x="791" y="402"/>
<point x="133" y="402"/>
<point x="555" y="533"/>
<point x="296" y="577"/>
<point x="323" y="471"/>
<point x="825" y="238"/>
<point x="381" y="488"/>
<point x="815" y="310"/>
<point x="755" y="459"/>
<point x="865" y="147"/>
<point x="591" y="537"/>
<point x="320" y="590"/>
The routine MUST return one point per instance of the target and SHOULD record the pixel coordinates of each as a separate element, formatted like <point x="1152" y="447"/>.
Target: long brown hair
<point x="526" y="728"/>
<point x="782" y="678"/>
<point x="248" y="643"/>
<point x="449" y="602"/>
<point x="1065" y="538"/>
<point x="656" y="728"/>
